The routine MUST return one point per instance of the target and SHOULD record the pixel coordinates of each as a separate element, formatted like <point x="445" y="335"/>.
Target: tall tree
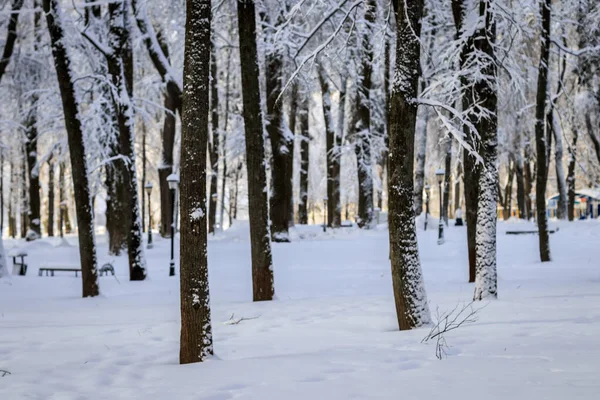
<point x="214" y="145"/>
<point x="304" y="137"/>
<point x="11" y="36"/>
<point x="83" y="201"/>
<point x="51" y="196"/>
<point x="196" y="331"/>
<point x="541" y="136"/>
<point x="409" y="289"/>
<point x="262" y="263"/>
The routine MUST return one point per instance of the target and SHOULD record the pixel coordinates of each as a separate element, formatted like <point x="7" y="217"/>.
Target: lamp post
<point x="440" y="177"/>
<point x="325" y="214"/>
<point x="173" y="181"/>
<point x="427" y="193"/>
<point x="148" y="188"/>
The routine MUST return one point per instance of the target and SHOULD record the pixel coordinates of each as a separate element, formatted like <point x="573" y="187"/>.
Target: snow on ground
<point x="331" y="333"/>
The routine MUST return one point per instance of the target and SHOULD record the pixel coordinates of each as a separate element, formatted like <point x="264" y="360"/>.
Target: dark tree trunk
<point x="214" y="146"/>
<point x="304" y="138"/>
<point x="1" y="191"/>
<point x="24" y="195"/>
<point x="528" y="181"/>
<point x="35" y="225"/>
<point x="459" y="173"/>
<point x="281" y="146"/>
<point x="11" y="36"/>
<point x="519" y="175"/>
<point x="87" y="247"/>
<point x="541" y="138"/>
<point x="166" y="167"/>
<point x="142" y="191"/>
<point x="421" y="154"/>
<point x="471" y="169"/>
<point x="447" y="175"/>
<point x="292" y="126"/>
<point x="487" y="98"/>
<point x="332" y="155"/>
<point x="409" y="290"/>
<point x="507" y="203"/>
<point x="362" y="139"/>
<point x="571" y="175"/>
<point x="262" y="264"/>
<point x="50" y="197"/>
<point x="224" y="157"/>
<point x="12" y="220"/>
<point x="196" y="330"/>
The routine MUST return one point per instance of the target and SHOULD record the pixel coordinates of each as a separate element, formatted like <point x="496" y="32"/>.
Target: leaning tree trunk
<point x="304" y="138"/>
<point x="83" y="203"/>
<point x="487" y="97"/>
<point x="214" y="146"/>
<point x="196" y="330"/>
<point x="409" y="289"/>
<point x="11" y="36"/>
<point x="331" y="154"/>
<point x="50" y="196"/>
<point x="281" y="146"/>
<point x="571" y="175"/>
<point x="540" y="134"/>
<point x="262" y="264"/>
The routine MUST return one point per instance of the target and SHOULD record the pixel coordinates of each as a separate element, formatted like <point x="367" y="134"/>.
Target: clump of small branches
<point x="449" y="321"/>
<point x="4" y="372"/>
<point x="234" y="321"/>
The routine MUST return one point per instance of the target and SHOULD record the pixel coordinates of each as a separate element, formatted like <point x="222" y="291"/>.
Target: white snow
<point x="331" y="334"/>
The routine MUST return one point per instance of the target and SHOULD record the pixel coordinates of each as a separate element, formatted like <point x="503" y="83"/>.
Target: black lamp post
<point x="440" y="177"/>
<point x="173" y="181"/>
<point x="325" y="214"/>
<point x="148" y="188"/>
<point x="427" y="193"/>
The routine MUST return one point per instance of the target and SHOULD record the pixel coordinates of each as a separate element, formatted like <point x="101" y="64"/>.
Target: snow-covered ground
<point x="331" y="333"/>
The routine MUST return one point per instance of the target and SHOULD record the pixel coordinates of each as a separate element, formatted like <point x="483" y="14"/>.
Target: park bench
<point x="51" y="269"/>
<point x="19" y="253"/>
<point x="530" y="232"/>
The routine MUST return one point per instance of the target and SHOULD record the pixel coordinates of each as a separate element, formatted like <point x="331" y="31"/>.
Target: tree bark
<point x="507" y="203"/>
<point x="51" y="196"/>
<point x="214" y="146"/>
<point x="409" y="290"/>
<point x="196" y="331"/>
<point x="11" y="36"/>
<point x="541" y="139"/>
<point x="571" y="175"/>
<point x="421" y="143"/>
<point x="87" y="247"/>
<point x="304" y="138"/>
<point x="447" y="179"/>
<point x="35" y="226"/>
<point x="262" y="264"/>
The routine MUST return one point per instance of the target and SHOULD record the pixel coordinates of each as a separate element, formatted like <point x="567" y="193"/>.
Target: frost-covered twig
<point x="234" y="321"/>
<point x="4" y="372"/>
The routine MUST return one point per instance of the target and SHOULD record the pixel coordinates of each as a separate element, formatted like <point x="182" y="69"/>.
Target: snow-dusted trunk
<point x="50" y="196"/>
<point x="409" y="289"/>
<point x="4" y="272"/>
<point x="11" y="36"/>
<point x="35" y="226"/>
<point x="24" y="195"/>
<point x="331" y="153"/>
<point x="527" y="180"/>
<point x="166" y="167"/>
<point x="571" y="175"/>
<point x="421" y="143"/>
<point x="486" y="96"/>
<point x="520" y="184"/>
<point x="196" y="331"/>
<point x="304" y="138"/>
<point x="561" y="182"/>
<point x="262" y="263"/>
<point x="1" y="192"/>
<point x="292" y="125"/>
<point x="224" y="155"/>
<point x="507" y="203"/>
<point x="362" y="129"/>
<point x="214" y="146"/>
<point x="83" y="203"/>
<point x="540" y="134"/>
<point x="447" y="177"/>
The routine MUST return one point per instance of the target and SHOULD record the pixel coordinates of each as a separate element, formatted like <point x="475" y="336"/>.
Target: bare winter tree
<point x="196" y="331"/>
<point x="83" y="201"/>
<point x="262" y="263"/>
<point x="11" y="36"/>
<point x="409" y="289"/>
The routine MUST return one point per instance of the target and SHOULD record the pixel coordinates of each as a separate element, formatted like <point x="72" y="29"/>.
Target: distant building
<point x="587" y="204"/>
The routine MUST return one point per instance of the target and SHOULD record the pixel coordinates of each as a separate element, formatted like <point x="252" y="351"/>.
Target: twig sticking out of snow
<point x="449" y="321"/>
<point x="4" y="372"/>
<point x="235" y="321"/>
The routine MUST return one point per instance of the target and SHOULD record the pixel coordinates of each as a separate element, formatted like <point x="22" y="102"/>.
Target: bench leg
<point x="52" y="273"/>
<point x="40" y="272"/>
<point x="75" y="274"/>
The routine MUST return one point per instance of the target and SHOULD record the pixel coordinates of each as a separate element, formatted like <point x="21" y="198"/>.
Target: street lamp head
<point x="440" y="175"/>
<point x="173" y="181"/>
<point x="427" y="189"/>
<point x="148" y="188"/>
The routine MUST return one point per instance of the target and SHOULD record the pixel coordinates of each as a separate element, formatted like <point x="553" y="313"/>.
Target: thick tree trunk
<point x="304" y="138"/>
<point x="331" y="153"/>
<point x="35" y="226"/>
<point x="196" y="330"/>
<point x="214" y="146"/>
<point x="87" y="246"/>
<point x="571" y="175"/>
<point x="409" y="289"/>
<point x="51" y="197"/>
<point x="281" y="146"/>
<point x="262" y="264"/>
<point x="541" y="139"/>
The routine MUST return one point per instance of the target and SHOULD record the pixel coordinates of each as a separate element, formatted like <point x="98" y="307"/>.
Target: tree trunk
<point x="412" y="309"/>
<point x="214" y="146"/>
<point x="457" y="179"/>
<point x="87" y="246"/>
<point x="50" y="197"/>
<point x="362" y="133"/>
<point x="304" y="138"/>
<point x="571" y="175"/>
<point x="1" y="192"/>
<point x="292" y="125"/>
<point x="142" y="191"/>
<point x="561" y="209"/>
<point x="24" y="195"/>
<point x="520" y="185"/>
<point x="528" y="182"/>
<point x="11" y="36"/>
<point x="332" y="154"/>
<point x="224" y="156"/>
<point x="421" y="143"/>
<point x="281" y="146"/>
<point x="262" y="264"/>
<point x="541" y="139"/>
<point x="166" y="167"/>
<point x="196" y="330"/>
<point x="447" y="175"/>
